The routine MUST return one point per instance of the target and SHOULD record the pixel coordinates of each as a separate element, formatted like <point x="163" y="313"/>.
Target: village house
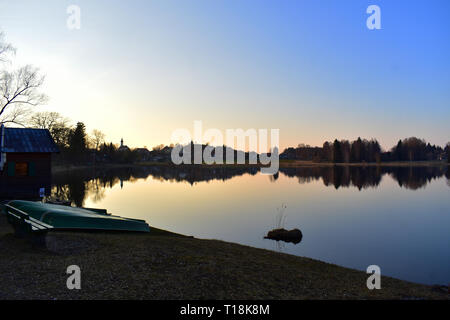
<point x="25" y="162"/>
<point x="143" y="154"/>
<point x="161" y="155"/>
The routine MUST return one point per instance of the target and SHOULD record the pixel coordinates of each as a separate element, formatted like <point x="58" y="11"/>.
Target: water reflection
<point x="339" y="226"/>
<point x="76" y="186"/>
<point x="370" y="176"/>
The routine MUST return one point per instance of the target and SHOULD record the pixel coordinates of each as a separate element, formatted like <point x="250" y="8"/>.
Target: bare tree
<point x="5" y="48"/>
<point x="19" y="89"/>
<point x="47" y="120"/>
<point x="97" y="138"/>
<point x="58" y="125"/>
<point x="159" y="147"/>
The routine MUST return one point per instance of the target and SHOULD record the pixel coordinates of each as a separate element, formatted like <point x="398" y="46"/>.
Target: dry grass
<point x="162" y="265"/>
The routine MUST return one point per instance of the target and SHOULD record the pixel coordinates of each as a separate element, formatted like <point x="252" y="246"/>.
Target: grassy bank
<point x="163" y="265"/>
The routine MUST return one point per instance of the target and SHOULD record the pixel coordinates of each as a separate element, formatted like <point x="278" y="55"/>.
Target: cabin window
<point x="31" y="169"/>
<point x="11" y="168"/>
<point x="21" y="169"/>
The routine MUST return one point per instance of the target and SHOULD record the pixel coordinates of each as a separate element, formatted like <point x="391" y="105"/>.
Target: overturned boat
<point x="29" y="216"/>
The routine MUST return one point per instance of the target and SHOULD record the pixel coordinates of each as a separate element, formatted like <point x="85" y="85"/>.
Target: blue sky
<point x="141" y="69"/>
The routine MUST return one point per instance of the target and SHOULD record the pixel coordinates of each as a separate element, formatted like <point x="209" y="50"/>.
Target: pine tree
<point x="337" y="151"/>
<point x="77" y="141"/>
<point x="448" y="152"/>
<point x="398" y="151"/>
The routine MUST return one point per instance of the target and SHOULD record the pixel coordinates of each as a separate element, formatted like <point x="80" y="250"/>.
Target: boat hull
<point x="69" y="218"/>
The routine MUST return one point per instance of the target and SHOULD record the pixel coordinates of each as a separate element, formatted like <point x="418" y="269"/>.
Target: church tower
<point x="123" y="147"/>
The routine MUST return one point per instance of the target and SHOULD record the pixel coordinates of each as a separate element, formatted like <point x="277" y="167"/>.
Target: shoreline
<point x="298" y="163"/>
<point x="285" y="276"/>
<point x="165" y="265"/>
<point x="283" y="164"/>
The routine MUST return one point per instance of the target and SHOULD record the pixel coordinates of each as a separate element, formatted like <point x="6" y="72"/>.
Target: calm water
<point x="397" y="218"/>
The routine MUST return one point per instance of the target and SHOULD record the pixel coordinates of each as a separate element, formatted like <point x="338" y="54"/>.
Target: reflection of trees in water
<point x="416" y="177"/>
<point x="366" y="177"/>
<point x="74" y="190"/>
<point x="76" y="186"/>
<point x="447" y="175"/>
<point x="96" y="190"/>
<point x="337" y="176"/>
<point x="274" y="177"/>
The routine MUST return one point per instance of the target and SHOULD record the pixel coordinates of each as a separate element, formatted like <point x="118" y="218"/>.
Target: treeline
<point x="362" y="150"/>
<point x="81" y="148"/>
<point x="76" y="145"/>
<point x="413" y="149"/>
<point x="237" y="155"/>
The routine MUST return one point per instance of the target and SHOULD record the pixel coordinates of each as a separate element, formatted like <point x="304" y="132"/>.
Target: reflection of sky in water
<point x="405" y="232"/>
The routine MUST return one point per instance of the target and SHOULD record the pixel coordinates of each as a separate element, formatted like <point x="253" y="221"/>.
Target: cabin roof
<point x="28" y="141"/>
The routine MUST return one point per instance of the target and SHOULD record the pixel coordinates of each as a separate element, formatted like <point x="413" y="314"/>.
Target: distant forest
<point x="78" y="147"/>
<point x="362" y="150"/>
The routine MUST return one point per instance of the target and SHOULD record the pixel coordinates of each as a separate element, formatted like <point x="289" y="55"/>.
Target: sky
<point x="139" y="70"/>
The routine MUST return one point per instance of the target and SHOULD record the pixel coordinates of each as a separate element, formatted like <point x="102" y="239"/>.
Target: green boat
<point x="38" y="216"/>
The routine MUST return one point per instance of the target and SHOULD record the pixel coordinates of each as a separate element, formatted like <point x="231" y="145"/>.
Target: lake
<point x="395" y="217"/>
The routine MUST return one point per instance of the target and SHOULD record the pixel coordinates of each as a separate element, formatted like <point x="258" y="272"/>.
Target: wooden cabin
<point x="25" y="162"/>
